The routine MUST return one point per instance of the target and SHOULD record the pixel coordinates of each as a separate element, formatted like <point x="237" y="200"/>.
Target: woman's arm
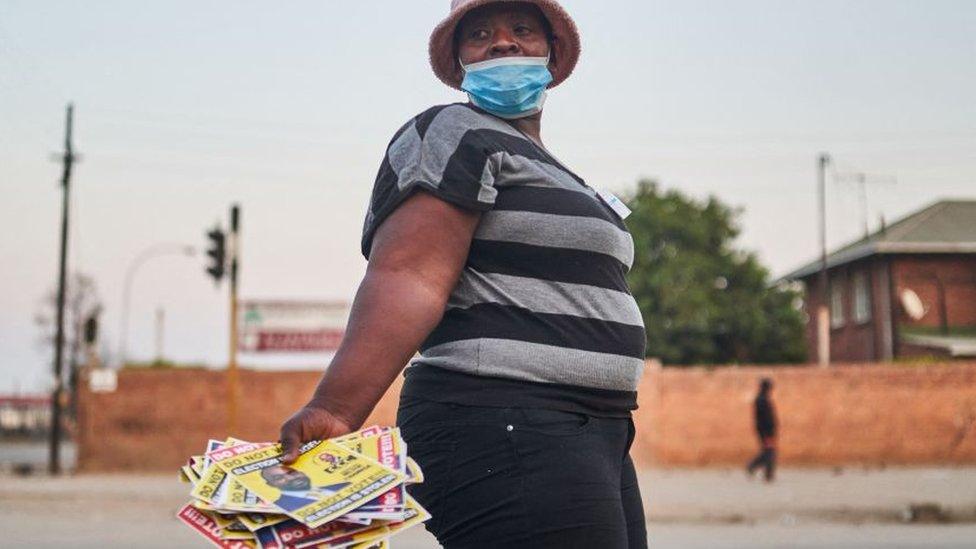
<point x="416" y="259"/>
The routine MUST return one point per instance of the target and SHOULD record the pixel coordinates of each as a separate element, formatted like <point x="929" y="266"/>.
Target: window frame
<point x="836" y="294"/>
<point x="862" y="298"/>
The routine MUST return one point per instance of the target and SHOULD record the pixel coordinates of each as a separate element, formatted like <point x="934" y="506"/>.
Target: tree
<point x="703" y="301"/>
<point x="81" y="302"/>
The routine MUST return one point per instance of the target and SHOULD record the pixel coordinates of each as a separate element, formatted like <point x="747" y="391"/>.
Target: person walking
<point x="765" y="419"/>
<point x="506" y="270"/>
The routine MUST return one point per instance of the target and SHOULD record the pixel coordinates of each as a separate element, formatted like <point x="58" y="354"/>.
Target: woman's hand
<point x="312" y="422"/>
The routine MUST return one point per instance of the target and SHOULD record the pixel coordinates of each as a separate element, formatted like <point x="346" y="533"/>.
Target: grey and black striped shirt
<point x="543" y="296"/>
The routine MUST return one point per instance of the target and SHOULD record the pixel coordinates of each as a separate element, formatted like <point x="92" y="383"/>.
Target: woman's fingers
<point x="291" y="437"/>
<point x="309" y="423"/>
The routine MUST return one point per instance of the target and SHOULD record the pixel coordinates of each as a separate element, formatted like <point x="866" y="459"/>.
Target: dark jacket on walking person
<point x="765" y="414"/>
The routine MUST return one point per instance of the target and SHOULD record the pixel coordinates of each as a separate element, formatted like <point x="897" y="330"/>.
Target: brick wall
<point x="158" y="418"/>
<point x="850" y="414"/>
<point x="954" y="274"/>
<point x="688" y="417"/>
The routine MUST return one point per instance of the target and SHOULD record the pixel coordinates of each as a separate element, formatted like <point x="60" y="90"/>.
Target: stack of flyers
<point x="341" y="492"/>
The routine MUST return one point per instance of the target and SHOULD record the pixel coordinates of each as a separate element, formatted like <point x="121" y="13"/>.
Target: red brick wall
<point x="158" y="418"/>
<point x="696" y="417"/>
<point x="839" y="415"/>
<point x="957" y="275"/>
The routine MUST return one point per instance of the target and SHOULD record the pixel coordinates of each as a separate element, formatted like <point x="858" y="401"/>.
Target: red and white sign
<point x="285" y="340"/>
<point x="207" y="527"/>
<point x="292" y="326"/>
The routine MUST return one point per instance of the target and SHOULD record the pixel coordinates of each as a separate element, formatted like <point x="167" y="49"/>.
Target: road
<point x="686" y="509"/>
<point x="33" y="454"/>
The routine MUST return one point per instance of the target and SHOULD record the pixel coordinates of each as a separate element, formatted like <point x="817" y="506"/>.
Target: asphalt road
<point x="812" y="535"/>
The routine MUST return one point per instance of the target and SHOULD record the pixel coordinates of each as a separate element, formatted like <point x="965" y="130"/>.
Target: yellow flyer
<point x="231" y="528"/>
<point x="233" y="496"/>
<point x="209" y="485"/>
<point x="202" y="505"/>
<point x="365" y="537"/>
<point x="386" y="447"/>
<point x="415" y="475"/>
<point x="327" y="481"/>
<point x="415" y="514"/>
<point x="188" y="476"/>
<point x="257" y="521"/>
<point x="364" y="432"/>
<point x="238" y="498"/>
<point x="196" y="463"/>
<point x="381" y="544"/>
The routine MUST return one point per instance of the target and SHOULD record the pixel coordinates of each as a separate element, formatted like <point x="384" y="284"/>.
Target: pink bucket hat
<point x="444" y="60"/>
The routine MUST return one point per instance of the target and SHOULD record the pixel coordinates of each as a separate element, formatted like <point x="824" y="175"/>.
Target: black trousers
<point x="766" y="458"/>
<point x="522" y="477"/>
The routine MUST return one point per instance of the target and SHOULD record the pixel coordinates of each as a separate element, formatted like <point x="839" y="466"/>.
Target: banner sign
<point x="292" y="326"/>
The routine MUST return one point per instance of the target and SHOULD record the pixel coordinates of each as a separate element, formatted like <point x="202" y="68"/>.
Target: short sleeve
<point x="441" y="151"/>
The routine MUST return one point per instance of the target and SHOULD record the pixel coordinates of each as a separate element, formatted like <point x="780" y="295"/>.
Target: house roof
<point x="948" y="226"/>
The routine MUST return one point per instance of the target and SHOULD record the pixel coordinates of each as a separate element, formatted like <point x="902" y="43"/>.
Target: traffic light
<point x="217" y="252"/>
<point x="91" y="329"/>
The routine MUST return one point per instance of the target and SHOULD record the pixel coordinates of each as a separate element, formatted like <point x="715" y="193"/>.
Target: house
<point x="907" y="290"/>
<point x="24" y="415"/>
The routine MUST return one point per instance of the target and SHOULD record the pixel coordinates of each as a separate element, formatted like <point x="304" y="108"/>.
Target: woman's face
<point x="502" y="30"/>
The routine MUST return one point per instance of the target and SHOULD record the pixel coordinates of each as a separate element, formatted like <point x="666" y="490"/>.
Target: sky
<point x="183" y="108"/>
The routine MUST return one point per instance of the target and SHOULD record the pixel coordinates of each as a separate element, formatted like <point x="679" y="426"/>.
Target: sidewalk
<point x="685" y="508"/>
<point x="853" y="496"/>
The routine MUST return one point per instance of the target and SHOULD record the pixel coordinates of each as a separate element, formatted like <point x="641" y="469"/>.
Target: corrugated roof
<point x="948" y="226"/>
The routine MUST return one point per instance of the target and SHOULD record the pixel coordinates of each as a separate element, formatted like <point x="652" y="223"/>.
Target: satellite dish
<point x="912" y="304"/>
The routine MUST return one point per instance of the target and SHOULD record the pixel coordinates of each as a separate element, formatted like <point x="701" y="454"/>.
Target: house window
<point x="862" y="298"/>
<point x="836" y="303"/>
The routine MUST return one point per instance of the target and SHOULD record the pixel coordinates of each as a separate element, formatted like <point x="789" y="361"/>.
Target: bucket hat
<point x="443" y="58"/>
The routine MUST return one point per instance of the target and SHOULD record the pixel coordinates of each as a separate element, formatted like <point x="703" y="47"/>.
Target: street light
<point x="157" y="250"/>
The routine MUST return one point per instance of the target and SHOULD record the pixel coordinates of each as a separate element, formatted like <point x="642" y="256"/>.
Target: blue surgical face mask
<point x="508" y="87"/>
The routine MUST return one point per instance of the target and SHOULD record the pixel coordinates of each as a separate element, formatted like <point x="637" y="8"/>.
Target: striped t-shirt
<point x="543" y="296"/>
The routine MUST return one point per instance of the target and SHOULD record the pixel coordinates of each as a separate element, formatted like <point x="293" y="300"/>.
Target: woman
<point x="507" y="272"/>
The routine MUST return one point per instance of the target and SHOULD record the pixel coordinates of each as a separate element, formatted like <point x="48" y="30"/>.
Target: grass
<point x="954" y="331"/>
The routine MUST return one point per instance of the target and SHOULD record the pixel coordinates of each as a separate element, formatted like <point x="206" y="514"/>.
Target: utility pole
<point x="232" y="381"/>
<point x="823" y="311"/>
<point x="67" y="159"/>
